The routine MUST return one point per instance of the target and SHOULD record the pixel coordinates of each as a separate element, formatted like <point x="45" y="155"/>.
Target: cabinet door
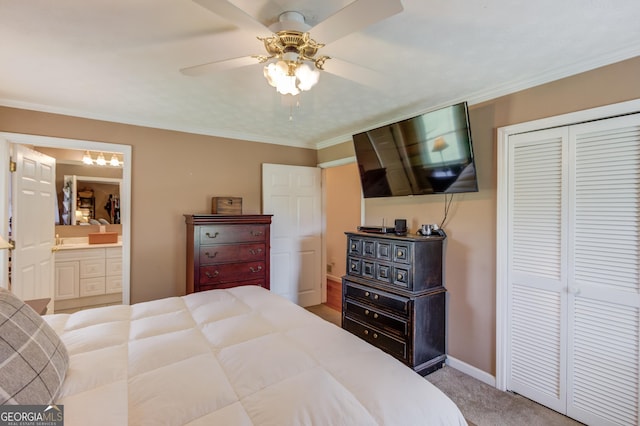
<point x="67" y="279"/>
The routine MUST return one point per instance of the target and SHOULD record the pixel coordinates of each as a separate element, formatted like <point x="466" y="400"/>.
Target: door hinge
<point x="12" y="166"/>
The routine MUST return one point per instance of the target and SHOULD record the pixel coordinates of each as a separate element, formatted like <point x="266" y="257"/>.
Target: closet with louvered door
<point x="573" y="280"/>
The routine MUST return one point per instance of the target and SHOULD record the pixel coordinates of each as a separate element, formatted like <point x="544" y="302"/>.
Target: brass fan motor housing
<point x="297" y="42"/>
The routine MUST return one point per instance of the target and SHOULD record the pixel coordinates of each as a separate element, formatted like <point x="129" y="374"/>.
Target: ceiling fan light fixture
<point x="307" y="76"/>
<point x="290" y="78"/>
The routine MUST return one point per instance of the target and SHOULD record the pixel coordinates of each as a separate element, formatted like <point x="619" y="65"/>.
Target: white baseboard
<point x="470" y="370"/>
<point x="334" y="278"/>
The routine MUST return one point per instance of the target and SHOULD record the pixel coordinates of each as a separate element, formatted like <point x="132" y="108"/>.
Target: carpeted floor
<point x="484" y="405"/>
<point x="481" y="404"/>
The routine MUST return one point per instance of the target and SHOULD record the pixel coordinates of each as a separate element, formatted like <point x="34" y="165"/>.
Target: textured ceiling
<point x="119" y="60"/>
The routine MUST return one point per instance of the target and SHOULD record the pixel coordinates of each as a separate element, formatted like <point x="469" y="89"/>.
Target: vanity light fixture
<point x="114" y="161"/>
<point x="86" y="158"/>
<point x="100" y="161"/>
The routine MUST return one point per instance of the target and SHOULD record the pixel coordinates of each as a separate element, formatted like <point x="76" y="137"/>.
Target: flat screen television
<point x="427" y="154"/>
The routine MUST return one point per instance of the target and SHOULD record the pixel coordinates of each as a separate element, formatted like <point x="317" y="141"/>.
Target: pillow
<point x="33" y="359"/>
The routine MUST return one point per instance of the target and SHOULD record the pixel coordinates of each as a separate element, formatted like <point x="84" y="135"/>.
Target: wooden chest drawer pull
<point x="375" y="335"/>
<point x="210" y="275"/>
<point x="367" y="294"/>
<point x="366" y="332"/>
<point x="366" y="312"/>
<point x="212" y="235"/>
<point x="255" y="251"/>
<point x="258" y="269"/>
<point x="375" y="296"/>
<point x="209" y="255"/>
<point x="256" y="233"/>
<point x="353" y="246"/>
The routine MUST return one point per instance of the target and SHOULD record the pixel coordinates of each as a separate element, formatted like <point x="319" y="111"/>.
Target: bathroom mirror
<point x="90" y="200"/>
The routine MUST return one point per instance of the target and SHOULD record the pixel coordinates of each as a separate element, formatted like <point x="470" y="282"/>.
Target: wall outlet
<point x="329" y="268"/>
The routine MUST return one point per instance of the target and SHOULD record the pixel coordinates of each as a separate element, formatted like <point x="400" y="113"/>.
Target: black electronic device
<point x="377" y="229"/>
<point x="427" y="154"/>
<point x="400" y="227"/>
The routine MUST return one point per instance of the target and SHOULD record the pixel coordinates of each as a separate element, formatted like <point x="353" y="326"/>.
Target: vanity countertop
<point x="76" y="243"/>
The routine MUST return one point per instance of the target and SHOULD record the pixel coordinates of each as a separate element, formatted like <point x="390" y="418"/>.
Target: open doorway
<point x="124" y="156"/>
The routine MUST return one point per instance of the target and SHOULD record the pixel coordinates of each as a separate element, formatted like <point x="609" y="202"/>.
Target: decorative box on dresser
<point x="393" y="296"/>
<point x="226" y="251"/>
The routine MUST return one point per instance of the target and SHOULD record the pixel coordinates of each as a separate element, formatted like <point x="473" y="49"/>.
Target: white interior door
<point x="603" y="377"/>
<point x="537" y="271"/>
<point x="33" y="211"/>
<point x="292" y="194"/>
<point x="573" y="276"/>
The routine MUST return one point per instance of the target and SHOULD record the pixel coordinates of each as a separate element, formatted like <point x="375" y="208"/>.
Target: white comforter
<point x="242" y="356"/>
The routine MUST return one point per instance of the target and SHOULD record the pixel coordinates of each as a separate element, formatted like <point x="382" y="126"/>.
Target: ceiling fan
<point x="294" y="54"/>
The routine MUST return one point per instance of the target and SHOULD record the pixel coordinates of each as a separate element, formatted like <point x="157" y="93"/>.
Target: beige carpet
<point x="481" y="404"/>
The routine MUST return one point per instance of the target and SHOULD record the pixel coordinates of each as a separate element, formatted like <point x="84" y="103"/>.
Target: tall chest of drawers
<point x="226" y="251"/>
<point x="394" y="298"/>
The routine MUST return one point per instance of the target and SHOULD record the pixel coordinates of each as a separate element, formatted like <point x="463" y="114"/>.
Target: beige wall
<point x="471" y="227"/>
<point x="342" y="209"/>
<point x="173" y="174"/>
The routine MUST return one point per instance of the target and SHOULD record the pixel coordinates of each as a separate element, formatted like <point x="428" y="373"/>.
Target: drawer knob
<point x="353" y="266"/>
<point x="256" y="233"/>
<point x="375" y="315"/>
<point x="210" y="275"/>
<point x="399" y="277"/>
<point x="210" y="256"/>
<point x="375" y="296"/>
<point x="366" y="312"/>
<point x="366" y="332"/>
<point x="254" y="270"/>
<point x="399" y="253"/>
<point x="208" y="234"/>
<point x="353" y="246"/>
<point x="375" y="335"/>
<point x="366" y="293"/>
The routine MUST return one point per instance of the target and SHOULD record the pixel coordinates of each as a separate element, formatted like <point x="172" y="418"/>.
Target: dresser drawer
<point x="398" y="275"/>
<point x="388" y="343"/>
<point x="231" y="272"/>
<point x="377" y="318"/>
<point x="205" y="287"/>
<point x="384" y="300"/>
<point x="232" y="253"/>
<point x="220" y="234"/>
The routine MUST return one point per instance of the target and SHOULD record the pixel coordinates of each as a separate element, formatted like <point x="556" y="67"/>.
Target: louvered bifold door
<point x="603" y="290"/>
<point x="536" y="350"/>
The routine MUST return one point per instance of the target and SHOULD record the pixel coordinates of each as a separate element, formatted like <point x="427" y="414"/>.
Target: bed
<point x="240" y="356"/>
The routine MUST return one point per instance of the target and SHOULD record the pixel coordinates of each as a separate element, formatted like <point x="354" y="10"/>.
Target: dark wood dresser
<point x="393" y="296"/>
<point x="227" y="251"/>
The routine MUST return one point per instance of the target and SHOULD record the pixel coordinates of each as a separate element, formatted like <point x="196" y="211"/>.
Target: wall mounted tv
<point x="427" y="154"/>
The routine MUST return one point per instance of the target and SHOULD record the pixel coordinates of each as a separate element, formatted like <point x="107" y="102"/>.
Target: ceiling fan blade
<point x="354" y="17"/>
<point x="211" y="67"/>
<point x="235" y="15"/>
<point x="356" y="73"/>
